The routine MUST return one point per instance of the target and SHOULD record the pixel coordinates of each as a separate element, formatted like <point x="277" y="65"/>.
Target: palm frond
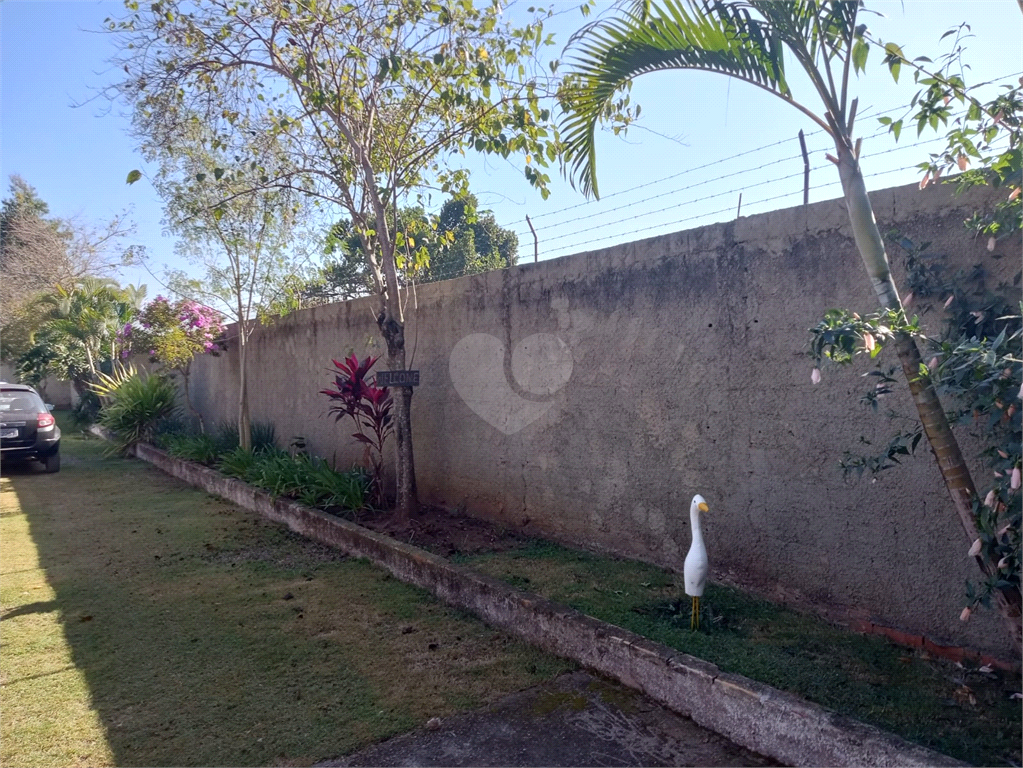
<point x="744" y="39"/>
<point x="715" y="36"/>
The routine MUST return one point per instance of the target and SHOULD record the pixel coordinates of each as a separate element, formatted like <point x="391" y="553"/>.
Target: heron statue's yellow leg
<point x="694" y="620"/>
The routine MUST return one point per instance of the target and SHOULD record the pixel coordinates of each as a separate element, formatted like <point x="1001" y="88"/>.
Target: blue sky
<point x="78" y="156"/>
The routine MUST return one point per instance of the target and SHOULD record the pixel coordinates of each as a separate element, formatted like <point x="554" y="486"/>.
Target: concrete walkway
<point x="577" y="719"/>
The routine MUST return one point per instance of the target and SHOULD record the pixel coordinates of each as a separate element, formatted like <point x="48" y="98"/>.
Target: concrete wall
<point x="617" y="383"/>
<point x="60" y="393"/>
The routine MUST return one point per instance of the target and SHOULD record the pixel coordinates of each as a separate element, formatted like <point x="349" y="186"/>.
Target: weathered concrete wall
<point x="60" y="393"/>
<point x="618" y="383"/>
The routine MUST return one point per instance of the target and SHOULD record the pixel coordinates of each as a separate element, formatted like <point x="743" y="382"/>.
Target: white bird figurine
<point x="696" y="566"/>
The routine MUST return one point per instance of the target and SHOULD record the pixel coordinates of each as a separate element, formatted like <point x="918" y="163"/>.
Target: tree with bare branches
<point x="40" y="254"/>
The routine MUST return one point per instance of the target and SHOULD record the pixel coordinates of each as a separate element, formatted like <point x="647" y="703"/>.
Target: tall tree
<point x="39" y="252"/>
<point x="749" y="40"/>
<point x="369" y="101"/>
<point x="471" y="241"/>
<point x="242" y="239"/>
<point x="459" y="241"/>
<point x="83" y="321"/>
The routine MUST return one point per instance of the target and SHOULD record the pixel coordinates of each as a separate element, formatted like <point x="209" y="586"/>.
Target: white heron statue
<point x="696" y="566"/>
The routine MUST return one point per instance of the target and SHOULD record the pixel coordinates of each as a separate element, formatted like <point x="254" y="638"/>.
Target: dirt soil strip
<point x="576" y="719"/>
<point x="756" y="716"/>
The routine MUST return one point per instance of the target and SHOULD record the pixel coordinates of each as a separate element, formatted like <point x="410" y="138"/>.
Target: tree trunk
<point x="407" y="502"/>
<point x="392" y="326"/>
<point x="953" y="468"/>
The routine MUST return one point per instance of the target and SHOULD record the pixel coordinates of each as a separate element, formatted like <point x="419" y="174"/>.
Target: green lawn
<point x="147" y="623"/>
<point x="923" y="700"/>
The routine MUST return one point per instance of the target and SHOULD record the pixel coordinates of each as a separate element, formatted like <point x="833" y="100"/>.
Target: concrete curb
<point x="756" y="716"/>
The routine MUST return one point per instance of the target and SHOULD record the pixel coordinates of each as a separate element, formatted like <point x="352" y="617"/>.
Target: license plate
<point x="7" y="433"/>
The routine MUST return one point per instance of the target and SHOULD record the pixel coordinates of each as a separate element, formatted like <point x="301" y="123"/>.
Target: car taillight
<point x="44" y="420"/>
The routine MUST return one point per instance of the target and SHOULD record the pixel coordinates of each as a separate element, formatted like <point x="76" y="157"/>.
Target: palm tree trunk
<point x="953" y="468"/>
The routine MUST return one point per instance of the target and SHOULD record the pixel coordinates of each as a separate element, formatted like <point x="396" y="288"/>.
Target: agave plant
<point x="134" y="405"/>
<point x="750" y="40"/>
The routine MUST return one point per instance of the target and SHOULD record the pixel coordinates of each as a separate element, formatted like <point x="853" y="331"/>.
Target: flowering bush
<point x="369" y="406"/>
<point x="173" y="333"/>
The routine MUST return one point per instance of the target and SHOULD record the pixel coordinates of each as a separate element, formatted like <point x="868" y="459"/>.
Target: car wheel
<point x="52" y="462"/>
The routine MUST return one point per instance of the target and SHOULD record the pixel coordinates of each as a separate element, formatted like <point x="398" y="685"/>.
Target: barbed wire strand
<point x="814" y="132"/>
<point x="728" y="192"/>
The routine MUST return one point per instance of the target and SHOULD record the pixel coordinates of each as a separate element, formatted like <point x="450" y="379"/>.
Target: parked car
<point x="28" y="431"/>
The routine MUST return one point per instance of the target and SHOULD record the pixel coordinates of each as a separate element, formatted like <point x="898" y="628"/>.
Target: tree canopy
<point x="40" y="253"/>
<point x="459" y="240"/>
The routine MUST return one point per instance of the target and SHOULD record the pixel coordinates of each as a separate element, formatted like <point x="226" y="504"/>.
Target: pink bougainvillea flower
<point x="815" y="376"/>
<point x="868" y="342"/>
<point x="975" y="549"/>
<point x="1014" y="482"/>
<point x="965" y="615"/>
<point x="989" y="500"/>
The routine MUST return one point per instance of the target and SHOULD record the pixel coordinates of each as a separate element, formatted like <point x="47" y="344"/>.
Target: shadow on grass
<point x="208" y="637"/>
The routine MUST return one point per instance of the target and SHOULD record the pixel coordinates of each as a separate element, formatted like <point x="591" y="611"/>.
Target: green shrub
<point x="200" y="448"/>
<point x="342" y="489"/>
<point x="307" y="479"/>
<point x="237" y="463"/>
<point x="226" y="437"/>
<point x="264" y="435"/>
<point x="86" y="411"/>
<point x="167" y="428"/>
<point x="135" y="405"/>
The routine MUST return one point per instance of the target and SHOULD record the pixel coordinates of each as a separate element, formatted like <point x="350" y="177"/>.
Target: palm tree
<point x="90" y="314"/>
<point x="749" y="40"/>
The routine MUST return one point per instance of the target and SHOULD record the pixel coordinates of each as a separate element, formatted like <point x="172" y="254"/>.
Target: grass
<point x="147" y="623"/>
<point x="924" y="700"/>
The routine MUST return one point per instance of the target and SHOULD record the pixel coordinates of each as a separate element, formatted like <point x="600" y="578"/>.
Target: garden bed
<point x="961" y="710"/>
<point x="953" y="708"/>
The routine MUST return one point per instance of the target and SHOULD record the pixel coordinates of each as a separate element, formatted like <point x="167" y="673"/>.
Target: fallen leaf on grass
<point x="963" y="694"/>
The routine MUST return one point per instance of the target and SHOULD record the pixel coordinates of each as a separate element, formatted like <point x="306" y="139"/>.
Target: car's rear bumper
<point x="39" y="450"/>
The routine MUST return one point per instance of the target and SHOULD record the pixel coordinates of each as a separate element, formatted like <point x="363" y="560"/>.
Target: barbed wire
<point x="730" y="192"/>
<point x="455" y="271"/>
<point x="729" y="208"/>
<point x="699" y="184"/>
<point x="815" y="132"/>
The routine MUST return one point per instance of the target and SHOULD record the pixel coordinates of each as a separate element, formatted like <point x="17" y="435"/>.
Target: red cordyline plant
<point x="369" y="406"/>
